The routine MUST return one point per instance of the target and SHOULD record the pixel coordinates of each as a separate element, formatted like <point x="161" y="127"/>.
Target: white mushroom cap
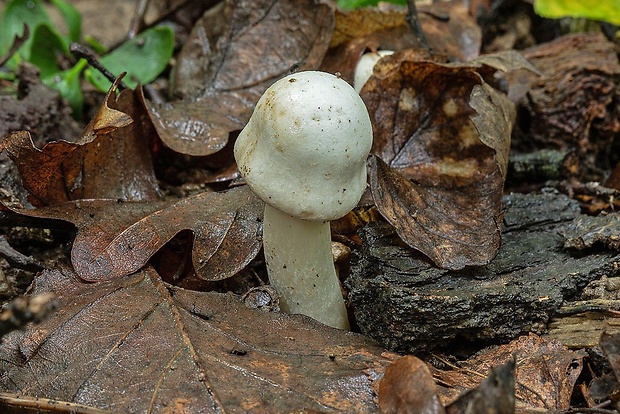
<point x="365" y="66"/>
<point x="304" y="149"/>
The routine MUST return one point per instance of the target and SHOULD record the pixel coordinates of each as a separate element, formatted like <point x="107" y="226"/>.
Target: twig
<point x="21" y="403"/>
<point x="414" y="23"/>
<point x="138" y="19"/>
<point x="82" y="51"/>
<point x="16" y="259"/>
<point x="154" y="94"/>
<point x="597" y="409"/>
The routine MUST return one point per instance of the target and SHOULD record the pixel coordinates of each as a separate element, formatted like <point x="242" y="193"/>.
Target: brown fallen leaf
<point x="363" y="22"/>
<point x="444" y="140"/>
<point x="235" y="52"/>
<point x="136" y="344"/>
<point x="610" y="344"/>
<point x="454" y="227"/>
<point x="408" y="387"/>
<point x="451" y="31"/>
<point x="116" y="239"/>
<point x="572" y="94"/>
<point x="113" y="162"/>
<point x="572" y="106"/>
<point x="607" y="386"/>
<point x="545" y="376"/>
<point x="494" y="395"/>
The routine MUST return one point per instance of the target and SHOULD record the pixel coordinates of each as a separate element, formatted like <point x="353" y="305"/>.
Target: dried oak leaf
<point x="118" y="238"/>
<point x="136" y="344"/>
<point x="113" y="161"/>
<point x="441" y="142"/>
<point x="235" y="52"/>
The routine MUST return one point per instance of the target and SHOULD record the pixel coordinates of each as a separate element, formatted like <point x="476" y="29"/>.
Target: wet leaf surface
<point x="113" y="162"/>
<point x="136" y="344"/>
<point x="235" y="52"/>
<point x="118" y="238"/>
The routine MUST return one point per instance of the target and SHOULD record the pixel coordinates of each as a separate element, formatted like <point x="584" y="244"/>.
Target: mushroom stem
<point x="301" y="268"/>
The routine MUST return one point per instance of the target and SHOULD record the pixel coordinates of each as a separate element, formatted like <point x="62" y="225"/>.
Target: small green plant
<point x="143" y="57"/>
<point x="603" y="10"/>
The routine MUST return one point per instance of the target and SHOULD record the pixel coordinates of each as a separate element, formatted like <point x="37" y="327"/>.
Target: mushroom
<point x="365" y="66"/>
<point x="304" y="152"/>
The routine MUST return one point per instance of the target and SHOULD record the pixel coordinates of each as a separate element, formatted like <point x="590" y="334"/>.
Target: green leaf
<point x="47" y="46"/>
<point x="72" y="19"/>
<point x="143" y="58"/>
<point x="605" y="10"/>
<point x="18" y="13"/>
<point x="68" y="84"/>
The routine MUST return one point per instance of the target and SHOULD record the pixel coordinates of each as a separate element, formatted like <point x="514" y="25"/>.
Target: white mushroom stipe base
<point x="304" y="153"/>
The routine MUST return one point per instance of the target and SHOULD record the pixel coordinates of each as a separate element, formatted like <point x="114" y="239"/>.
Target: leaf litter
<point x="118" y="238"/>
<point x="234" y="53"/>
<point x="444" y="146"/>
<point x="136" y="344"/>
<point x="441" y="144"/>
<point x="111" y="159"/>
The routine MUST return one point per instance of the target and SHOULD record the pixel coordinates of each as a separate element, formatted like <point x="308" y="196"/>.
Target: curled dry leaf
<point x="113" y="161"/>
<point x="106" y="119"/>
<point x="116" y="239"/>
<point x="154" y="346"/>
<point x="235" y="52"/>
<point x="444" y="136"/>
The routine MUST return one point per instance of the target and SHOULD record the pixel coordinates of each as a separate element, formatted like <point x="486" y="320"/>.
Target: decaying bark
<point x="408" y="305"/>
